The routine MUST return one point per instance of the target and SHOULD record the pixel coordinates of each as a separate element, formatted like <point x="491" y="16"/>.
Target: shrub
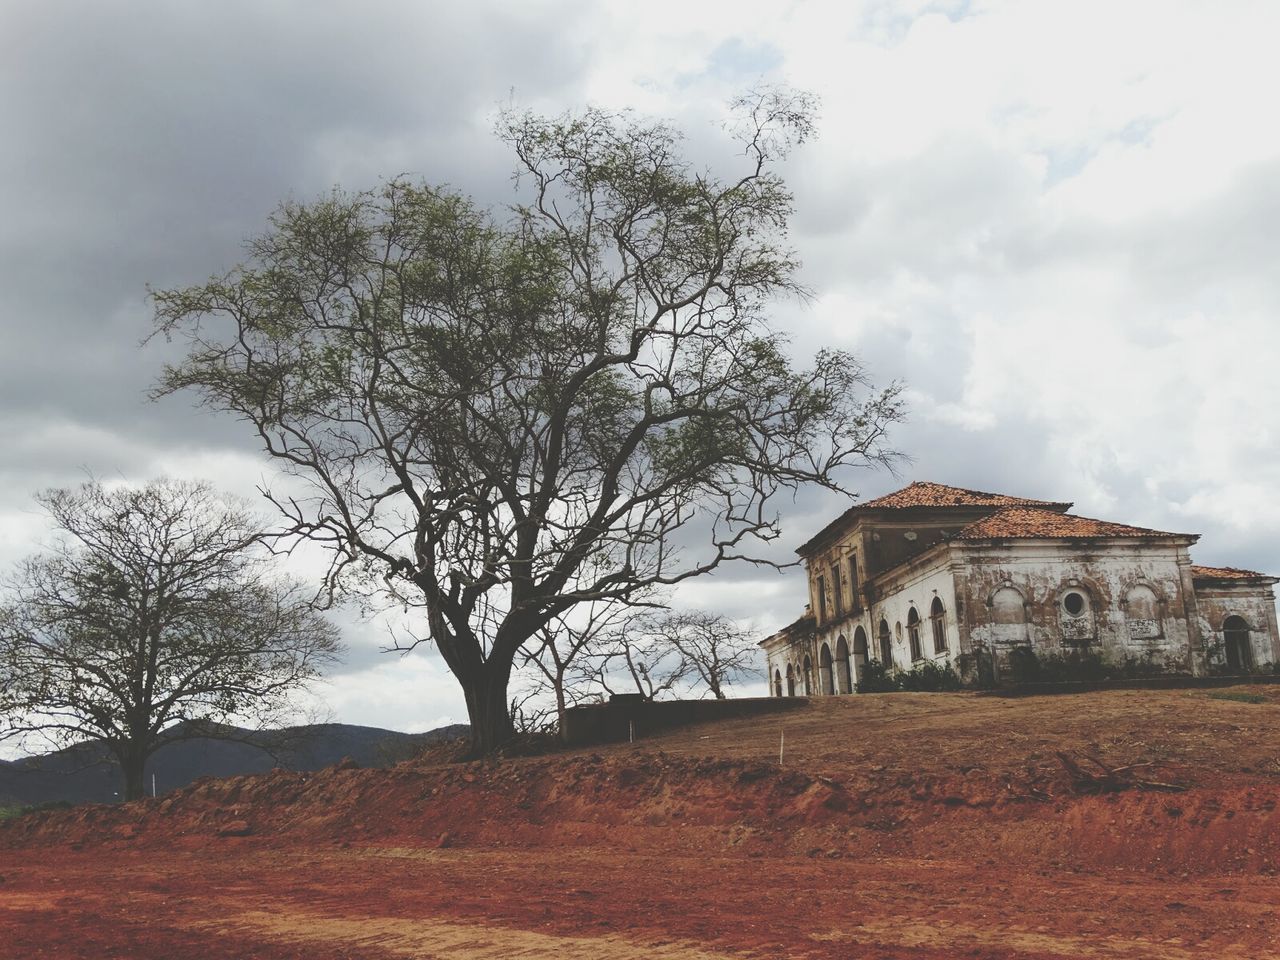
<point x="930" y="678"/>
<point x="1076" y="665"/>
<point x="1239" y="697"/>
<point x="1024" y="665"/>
<point x="878" y="678"/>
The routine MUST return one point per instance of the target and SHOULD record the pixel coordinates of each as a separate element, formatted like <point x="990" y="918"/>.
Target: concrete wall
<point x="1255" y="604"/>
<point x="614" y="721"/>
<point x="1136" y="597"/>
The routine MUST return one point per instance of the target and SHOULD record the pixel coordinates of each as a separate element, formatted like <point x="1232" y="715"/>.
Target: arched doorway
<point x="844" y="683"/>
<point x="791" y="681"/>
<point x="886" y="644"/>
<point x="777" y="683"/>
<point x="1235" y="634"/>
<point x="806" y="676"/>
<point x="859" y="653"/>
<point x="824" y="672"/>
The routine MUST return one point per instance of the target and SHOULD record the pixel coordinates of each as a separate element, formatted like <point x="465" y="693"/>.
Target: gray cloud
<point x="1073" y="270"/>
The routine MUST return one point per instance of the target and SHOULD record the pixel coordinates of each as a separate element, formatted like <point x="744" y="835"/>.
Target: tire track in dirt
<point x="432" y="939"/>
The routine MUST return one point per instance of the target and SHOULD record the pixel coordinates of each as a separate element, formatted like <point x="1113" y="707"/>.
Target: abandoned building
<point x="933" y="573"/>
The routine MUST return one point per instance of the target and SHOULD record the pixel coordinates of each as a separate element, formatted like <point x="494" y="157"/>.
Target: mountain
<point x="84" y="774"/>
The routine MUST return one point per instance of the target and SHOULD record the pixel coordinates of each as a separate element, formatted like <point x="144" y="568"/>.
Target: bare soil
<point x="921" y="826"/>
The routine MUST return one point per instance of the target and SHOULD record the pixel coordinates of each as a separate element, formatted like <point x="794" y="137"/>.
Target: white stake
<point x="153" y="786"/>
<point x="782" y="742"/>
<point x="631" y="728"/>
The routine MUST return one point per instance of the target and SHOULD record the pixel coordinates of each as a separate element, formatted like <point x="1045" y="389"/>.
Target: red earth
<point x="926" y="825"/>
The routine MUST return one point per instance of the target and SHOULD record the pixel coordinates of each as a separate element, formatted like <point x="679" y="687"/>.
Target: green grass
<point x="1239" y="697"/>
<point x="13" y="812"/>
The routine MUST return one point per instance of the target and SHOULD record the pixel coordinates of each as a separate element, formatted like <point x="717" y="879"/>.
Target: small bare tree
<point x="715" y="650"/>
<point x="633" y="655"/>
<point x="153" y="618"/>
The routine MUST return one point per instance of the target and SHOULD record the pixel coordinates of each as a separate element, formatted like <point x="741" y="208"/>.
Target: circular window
<point x="1073" y="603"/>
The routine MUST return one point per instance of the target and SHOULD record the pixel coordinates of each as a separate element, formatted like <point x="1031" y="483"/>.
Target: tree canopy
<point x="502" y="414"/>
<point x="153" y="617"/>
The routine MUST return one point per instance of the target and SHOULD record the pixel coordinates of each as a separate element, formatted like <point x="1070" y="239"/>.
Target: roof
<point x="935" y="495"/>
<point x="803" y="624"/>
<point x="1030" y="523"/>
<point x="1226" y="573"/>
<point x="923" y="496"/>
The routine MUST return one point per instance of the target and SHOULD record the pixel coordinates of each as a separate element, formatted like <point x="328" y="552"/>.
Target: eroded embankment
<point x="661" y="803"/>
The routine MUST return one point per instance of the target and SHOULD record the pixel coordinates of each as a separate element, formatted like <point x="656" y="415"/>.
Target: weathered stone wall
<point x="1256" y="605"/>
<point x="627" y="716"/>
<point x="1135" y="600"/>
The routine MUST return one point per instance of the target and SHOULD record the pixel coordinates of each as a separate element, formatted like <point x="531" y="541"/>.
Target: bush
<point x="1075" y="665"/>
<point x="930" y="678"/>
<point x="877" y="678"/>
<point x="1024" y="665"/>
<point x="926" y="678"/>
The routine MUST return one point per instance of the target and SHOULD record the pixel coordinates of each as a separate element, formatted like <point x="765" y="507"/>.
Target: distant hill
<point x="82" y="774"/>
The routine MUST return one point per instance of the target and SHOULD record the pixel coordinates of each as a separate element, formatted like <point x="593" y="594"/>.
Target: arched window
<point x="1142" y="612"/>
<point x="844" y="681"/>
<point x="886" y="644"/>
<point x="806" y="676"/>
<point x="913" y="634"/>
<point x="938" y="625"/>
<point x="1008" y="617"/>
<point x="1235" y="634"/>
<point x="859" y="653"/>
<point x="777" y="683"/>
<point x="791" y="681"/>
<point x="825" y="686"/>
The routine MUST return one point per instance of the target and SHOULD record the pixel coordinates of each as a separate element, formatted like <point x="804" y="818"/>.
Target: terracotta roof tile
<point x="924" y="494"/>
<point x="1027" y="523"/>
<point x="1226" y="573"/>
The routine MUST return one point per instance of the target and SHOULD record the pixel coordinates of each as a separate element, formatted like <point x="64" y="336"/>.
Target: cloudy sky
<point x="1058" y="222"/>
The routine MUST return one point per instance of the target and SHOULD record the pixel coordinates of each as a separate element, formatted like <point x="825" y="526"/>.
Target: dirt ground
<point x="920" y="826"/>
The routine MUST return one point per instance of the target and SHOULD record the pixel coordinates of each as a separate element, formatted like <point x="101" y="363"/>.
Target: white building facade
<point x="943" y="575"/>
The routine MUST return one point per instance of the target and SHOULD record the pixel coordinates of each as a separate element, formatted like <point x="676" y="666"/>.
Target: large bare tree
<point x="153" y="617"/>
<point x="484" y="404"/>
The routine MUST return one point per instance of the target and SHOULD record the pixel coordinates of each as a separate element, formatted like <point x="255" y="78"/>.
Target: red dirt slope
<point x="897" y="826"/>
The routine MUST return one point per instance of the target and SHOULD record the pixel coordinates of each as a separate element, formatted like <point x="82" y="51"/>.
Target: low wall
<point x="614" y="721"/>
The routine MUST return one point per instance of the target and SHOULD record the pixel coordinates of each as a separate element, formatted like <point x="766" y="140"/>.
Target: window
<point x="853" y="581"/>
<point x="822" y="599"/>
<point x="1142" y="613"/>
<point x="938" y="625"/>
<point x="835" y="589"/>
<point x="886" y="644"/>
<point x="1076" y="617"/>
<point x="913" y="634"/>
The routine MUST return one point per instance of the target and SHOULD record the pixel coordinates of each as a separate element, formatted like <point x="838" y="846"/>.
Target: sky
<point x="1057" y="223"/>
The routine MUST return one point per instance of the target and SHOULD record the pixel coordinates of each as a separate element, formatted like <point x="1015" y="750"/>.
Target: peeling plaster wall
<point x="916" y="586"/>
<point x="1257" y="605"/>
<point x="1117" y="623"/>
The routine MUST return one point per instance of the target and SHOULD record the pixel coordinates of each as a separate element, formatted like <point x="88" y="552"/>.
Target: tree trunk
<point x="561" y="706"/>
<point x="488" y="709"/>
<point x="133" y="764"/>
